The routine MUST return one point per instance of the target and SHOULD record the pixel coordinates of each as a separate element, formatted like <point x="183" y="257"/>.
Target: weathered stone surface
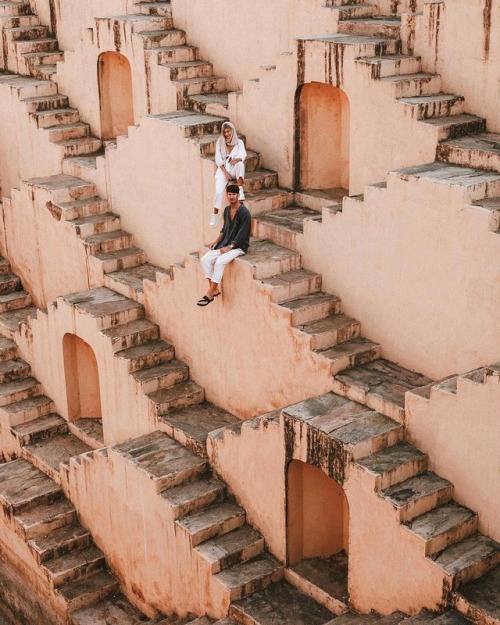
<point x="41" y="428"/>
<point x="22" y="486"/>
<point x="48" y="454"/>
<point x="480" y="598"/>
<point x="469" y="558"/>
<point x="290" y="284"/>
<point x="237" y="546"/>
<point x="44" y="518"/>
<point x="418" y="494"/>
<point x="105" y="303"/>
<point x="177" y="396"/>
<point x="215" y="520"/>
<point x="243" y="579"/>
<point x="268" y="259"/>
<point x="84" y="592"/>
<point x="90" y="431"/>
<point x="74" y="565"/>
<point x="59" y="541"/>
<point x="394" y="464"/>
<point x="116" y="610"/>
<point x="19" y="390"/>
<point x="132" y="333"/>
<point x="192" y="496"/>
<point x="351" y="353"/>
<point x="146" y="355"/>
<point x="325" y="579"/>
<point x="11" y="320"/>
<point x="281" y="604"/>
<point x="331" y="330"/>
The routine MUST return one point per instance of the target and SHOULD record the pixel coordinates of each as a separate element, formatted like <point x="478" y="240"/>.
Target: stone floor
<point x="328" y="574"/>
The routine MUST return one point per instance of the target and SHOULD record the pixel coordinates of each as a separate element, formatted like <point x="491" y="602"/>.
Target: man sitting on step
<point x="232" y="242"/>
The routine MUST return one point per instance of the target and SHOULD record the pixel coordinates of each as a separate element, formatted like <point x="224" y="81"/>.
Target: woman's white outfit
<point x="224" y="152"/>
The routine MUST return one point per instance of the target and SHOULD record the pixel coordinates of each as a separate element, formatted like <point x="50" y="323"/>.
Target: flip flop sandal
<point x="204" y="301"/>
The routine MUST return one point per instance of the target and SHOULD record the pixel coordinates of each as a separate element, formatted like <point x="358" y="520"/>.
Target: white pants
<point x="236" y="171"/>
<point x="214" y="263"/>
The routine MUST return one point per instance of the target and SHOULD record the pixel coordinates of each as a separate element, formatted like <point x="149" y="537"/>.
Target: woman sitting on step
<point x="230" y="155"/>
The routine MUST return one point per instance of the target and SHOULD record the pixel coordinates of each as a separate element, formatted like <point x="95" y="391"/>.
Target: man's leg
<point x="208" y="261"/>
<point x="221" y="262"/>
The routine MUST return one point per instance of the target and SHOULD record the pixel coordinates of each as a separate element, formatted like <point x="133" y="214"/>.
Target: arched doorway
<point x="322" y="137"/>
<point x="82" y="379"/>
<point x="318" y="514"/>
<point x="115" y="94"/>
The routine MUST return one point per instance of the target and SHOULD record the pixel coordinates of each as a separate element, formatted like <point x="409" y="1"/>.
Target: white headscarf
<point x="233" y="139"/>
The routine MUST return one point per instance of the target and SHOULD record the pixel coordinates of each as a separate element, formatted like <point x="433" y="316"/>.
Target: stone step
<point x="24" y="487"/>
<point x="108" y="242"/>
<point x="44" y="44"/>
<point x="285" y="226"/>
<point x="292" y="284"/>
<point x="161" y="376"/>
<point x="178" y="396"/>
<point x="491" y="207"/>
<point x="211" y="103"/>
<point x="59" y="542"/>
<point x="242" y="580"/>
<point x="48" y="454"/>
<point x="238" y="546"/>
<point x="25" y="33"/>
<point x="353" y="11"/>
<point x="14" y="8"/>
<point x="376" y="26"/>
<point x="7" y="22"/>
<point x="18" y="391"/>
<point x="88" y="591"/>
<point x="8" y="349"/>
<point x="418" y="495"/>
<point x="155" y="8"/>
<point x="116" y="610"/>
<point x="477" y="600"/>
<point x="390" y="65"/>
<point x="163" y="460"/>
<point x="195" y="125"/>
<point x="394" y="464"/>
<point x="77" y="147"/>
<point x="45" y="72"/>
<point x="329" y="331"/>
<point x="47" y="103"/>
<point x="192" y="496"/>
<point x="130" y="282"/>
<point x="26" y="86"/>
<point x="132" y="334"/>
<point x="14" y="301"/>
<point x="381" y="384"/>
<point x="73" y="566"/>
<point x="260" y="179"/>
<point x="108" y="308"/>
<point x="173" y="54"/>
<point x="350" y="354"/>
<point x="79" y="209"/>
<point x="264" y="200"/>
<point x="121" y="259"/>
<point x="61" y="187"/>
<point x="89" y="226"/>
<point x="468" y="559"/>
<point x="202" y="84"/>
<point x="146" y="355"/>
<point x="411" y="85"/>
<point x="27" y="409"/>
<point x="267" y="259"/>
<point x="11" y="370"/>
<point x="480" y="151"/>
<point x="84" y="166"/>
<point x="40" y="429"/>
<point x="33" y="59"/>
<point x="360" y="431"/>
<point x="45" y="518"/>
<point x="4" y="266"/>
<point x="162" y="38"/>
<point x="9" y="282"/>
<point x="433" y="105"/>
<point x="311" y="307"/>
<point x="456" y="126"/>
<point x="216" y="520"/>
<point x="186" y="70"/>
<point x="284" y="604"/>
<point x="143" y="21"/>
<point x="190" y="426"/>
<point x="443" y="526"/>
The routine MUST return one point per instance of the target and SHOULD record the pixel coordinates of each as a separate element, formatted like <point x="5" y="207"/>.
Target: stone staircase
<point x="62" y="551"/>
<point x="422" y="501"/>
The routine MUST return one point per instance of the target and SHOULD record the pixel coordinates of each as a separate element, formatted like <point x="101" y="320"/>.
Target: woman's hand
<point x="233" y="161"/>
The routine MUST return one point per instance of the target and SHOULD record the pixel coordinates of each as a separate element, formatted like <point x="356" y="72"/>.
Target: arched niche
<point x="317" y="514"/>
<point x="322" y="137"/>
<point x="82" y="379"/>
<point x="115" y="94"/>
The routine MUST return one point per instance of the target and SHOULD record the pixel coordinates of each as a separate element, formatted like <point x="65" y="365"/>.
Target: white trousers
<point x="236" y="171"/>
<point x="214" y="263"/>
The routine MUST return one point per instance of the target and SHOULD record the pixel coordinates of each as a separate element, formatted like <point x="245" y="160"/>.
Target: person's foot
<point x="214" y="219"/>
<point x="241" y="195"/>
